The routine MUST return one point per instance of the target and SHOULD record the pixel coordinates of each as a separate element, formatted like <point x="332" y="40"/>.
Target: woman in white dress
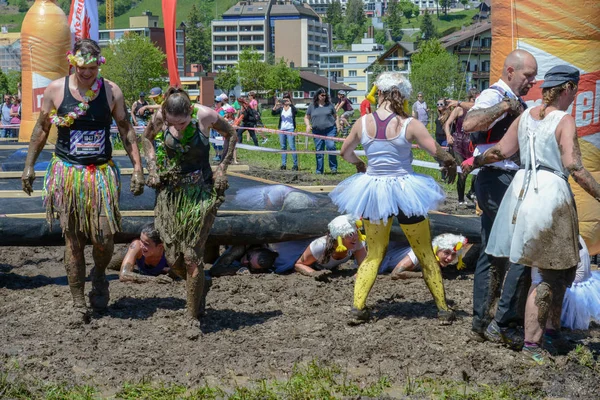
<point x="537" y="221"/>
<point x="389" y="187"/>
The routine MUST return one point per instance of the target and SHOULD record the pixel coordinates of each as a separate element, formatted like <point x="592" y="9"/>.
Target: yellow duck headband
<point x="342" y="226"/>
<point x="450" y="241"/>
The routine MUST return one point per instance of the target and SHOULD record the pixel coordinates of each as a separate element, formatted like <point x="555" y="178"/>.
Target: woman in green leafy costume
<point x="176" y="146"/>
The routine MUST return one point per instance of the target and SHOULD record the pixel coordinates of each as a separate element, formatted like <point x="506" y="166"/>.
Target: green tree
<point x="428" y="30"/>
<point x="23" y="6"/>
<point x="409" y="9"/>
<point x="334" y="13"/>
<point x="65" y="5"/>
<point x="135" y="64"/>
<point x="464" y="3"/>
<point x="252" y="71"/>
<point x="197" y="40"/>
<point x="393" y="20"/>
<point x="281" y="77"/>
<point x="350" y="32"/>
<point x="380" y="36"/>
<point x="13" y="77"/>
<point x="4" y="83"/>
<point x="355" y="13"/>
<point x="445" y="4"/>
<point x="435" y="72"/>
<point x="227" y="79"/>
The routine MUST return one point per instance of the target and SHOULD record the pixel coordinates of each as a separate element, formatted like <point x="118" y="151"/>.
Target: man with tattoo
<point x="177" y="148"/>
<point x="389" y="187"/>
<point x="82" y="184"/>
<point x="494" y="110"/>
<point x="537" y="221"/>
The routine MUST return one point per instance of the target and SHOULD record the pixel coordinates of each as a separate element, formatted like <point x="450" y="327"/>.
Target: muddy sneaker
<point x="78" y="316"/>
<point x="358" y="317"/>
<point x="445" y="317"/>
<point x="512" y="337"/>
<point x="476" y="336"/>
<point x="99" y="295"/>
<point x="492" y="333"/>
<point x="536" y="354"/>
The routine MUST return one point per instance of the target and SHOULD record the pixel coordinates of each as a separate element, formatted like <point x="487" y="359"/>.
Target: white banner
<point x="83" y="19"/>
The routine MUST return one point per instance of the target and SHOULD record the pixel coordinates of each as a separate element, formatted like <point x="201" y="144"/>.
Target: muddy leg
<point x="102" y="253"/>
<point x="196" y="286"/>
<point x="75" y="268"/>
<point x="378" y="236"/>
<point x="419" y="237"/>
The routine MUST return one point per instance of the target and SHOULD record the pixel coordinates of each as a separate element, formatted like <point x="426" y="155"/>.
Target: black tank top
<point x="87" y="140"/>
<point x="196" y="158"/>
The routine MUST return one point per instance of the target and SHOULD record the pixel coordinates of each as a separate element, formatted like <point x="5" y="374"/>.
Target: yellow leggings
<point x="419" y="238"/>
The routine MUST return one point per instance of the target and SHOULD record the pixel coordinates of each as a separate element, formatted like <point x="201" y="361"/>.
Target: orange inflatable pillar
<point x="45" y="40"/>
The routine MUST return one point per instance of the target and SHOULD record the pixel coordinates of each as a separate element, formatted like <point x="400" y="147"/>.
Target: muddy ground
<point x="256" y="327"/>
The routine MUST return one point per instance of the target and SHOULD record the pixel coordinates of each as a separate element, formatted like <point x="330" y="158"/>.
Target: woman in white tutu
<point x="581" y="304"/>
<point x="537" y="221"/>
<point x="389" y="187"/>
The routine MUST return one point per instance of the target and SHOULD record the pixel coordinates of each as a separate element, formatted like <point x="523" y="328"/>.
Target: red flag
<point x="83" y="19"/>
<point x="169" y="14"/>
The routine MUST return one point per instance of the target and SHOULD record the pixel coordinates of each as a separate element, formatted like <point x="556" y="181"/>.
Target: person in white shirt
<point x="489" y="119"/>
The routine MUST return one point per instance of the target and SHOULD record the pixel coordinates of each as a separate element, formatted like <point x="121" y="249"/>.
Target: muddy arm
<point x="148" y="137"/>
<point x="222" y="267"/>
<point x="481" y="119"/>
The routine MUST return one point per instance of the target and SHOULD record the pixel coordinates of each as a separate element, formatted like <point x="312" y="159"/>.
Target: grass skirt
<point x="82" y="193"/>
<point x="180" y="212"/>
<point x="379" y="197"/>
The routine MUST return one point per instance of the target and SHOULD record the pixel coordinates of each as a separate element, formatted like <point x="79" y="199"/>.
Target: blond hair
<point x="549" y="95"/>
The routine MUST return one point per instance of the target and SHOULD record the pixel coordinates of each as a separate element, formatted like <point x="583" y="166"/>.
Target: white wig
<point x="389" y="80"/>
<point x="342" y="226"/>
<point x="450" y="241"/>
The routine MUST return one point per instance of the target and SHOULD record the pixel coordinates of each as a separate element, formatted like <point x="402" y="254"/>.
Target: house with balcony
<point x="396" y="58"/>
<point x="473" y="46"/>
<point x="288" y="29"/>
<point x="147" y="25"/>
<point x="350" y="67"/>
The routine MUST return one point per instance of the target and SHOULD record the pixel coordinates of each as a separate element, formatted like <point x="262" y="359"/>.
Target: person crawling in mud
<point x="342" y="243"/>
<point x="145" y="260"/>
<point x="241" y="260"/>
<point x="176" y="146"/>
<point x="449" y="249"/>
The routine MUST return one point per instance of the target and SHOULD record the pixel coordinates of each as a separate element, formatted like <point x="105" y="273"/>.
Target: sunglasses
<point x="440" y="104"/>
<point x="322" y="94"/>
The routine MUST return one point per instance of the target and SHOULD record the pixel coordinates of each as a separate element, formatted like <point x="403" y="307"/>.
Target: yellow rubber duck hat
<point x="342" y="226"/>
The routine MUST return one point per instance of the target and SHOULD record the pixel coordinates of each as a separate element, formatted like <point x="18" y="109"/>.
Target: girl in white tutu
<point x="389" y="187"/>
<point x="581" y="304"/>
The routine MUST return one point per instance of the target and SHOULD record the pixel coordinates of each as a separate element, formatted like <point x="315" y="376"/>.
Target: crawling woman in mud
<point x="176" y="147"/>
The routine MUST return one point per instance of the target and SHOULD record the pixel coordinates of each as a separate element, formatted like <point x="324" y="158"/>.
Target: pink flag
<point x="83" y="19"/>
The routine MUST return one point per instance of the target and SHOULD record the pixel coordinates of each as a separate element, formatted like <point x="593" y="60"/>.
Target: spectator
<point x="5" y="110"/>
<point x="254" y="106"/>
<point x="420" y="110"/>
<point x="365" y="106"/>
<point x="345" y="104"/>
<point x="15" y="113"/>
<point x="247" y="119"/>
<point x="233" y="101"/>
<point x="140" y="119"/>
<point x="287" y="122"/>
<point x="459" y="145"/>
<point x="320" y="118"/>
<point x="219" y="108"/>
<point x="440" y="136"/>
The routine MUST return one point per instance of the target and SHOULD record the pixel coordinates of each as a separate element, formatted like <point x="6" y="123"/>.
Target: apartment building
<point x="371" y="7"/>
<point x="396" y="58"/>
<point x="473" y="46"/>
<point x="147" y="25"/>
<point x="287" y="29"/>
<point x="350" y="67"/>
<point x="10" y="50"/>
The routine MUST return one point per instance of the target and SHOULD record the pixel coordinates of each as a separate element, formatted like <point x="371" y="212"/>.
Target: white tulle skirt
<point x="582" y="303"/>
<point x="379" y="197"/>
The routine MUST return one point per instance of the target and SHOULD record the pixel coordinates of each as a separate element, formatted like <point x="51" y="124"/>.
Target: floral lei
<point x="79" y="60"/>
<point x="163" y="162"/>
<point x="80" y="109"/>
